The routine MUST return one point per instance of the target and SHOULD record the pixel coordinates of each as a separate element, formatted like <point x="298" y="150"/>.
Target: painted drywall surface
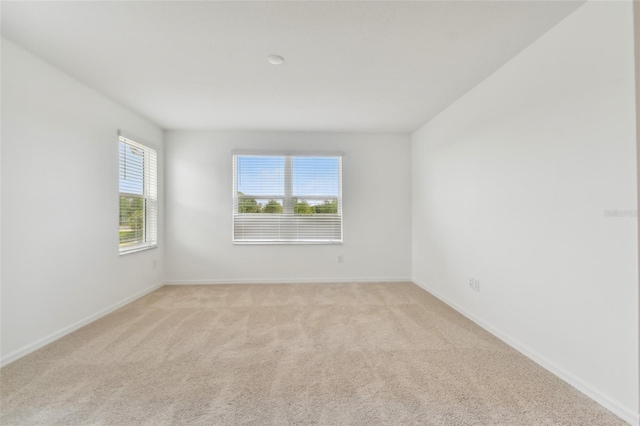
<point x="376" y="188"/>
<point x="511" y="185"/>
<point x="60" y="202"/>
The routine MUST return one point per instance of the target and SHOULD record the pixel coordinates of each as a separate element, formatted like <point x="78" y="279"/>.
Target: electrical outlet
<point x="340" y="258"/>
<point x="474" y="284"/>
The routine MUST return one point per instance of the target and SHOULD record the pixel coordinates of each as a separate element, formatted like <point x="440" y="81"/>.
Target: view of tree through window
<point x="131" y="220"/>
<point x="301" y="207"/>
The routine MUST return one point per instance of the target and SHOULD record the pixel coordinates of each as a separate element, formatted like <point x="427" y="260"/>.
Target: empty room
<point x="319" y="212"/>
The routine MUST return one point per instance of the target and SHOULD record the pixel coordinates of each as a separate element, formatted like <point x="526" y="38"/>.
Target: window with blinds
<point x="280" y="199"/>
<point x="138" y="179"/>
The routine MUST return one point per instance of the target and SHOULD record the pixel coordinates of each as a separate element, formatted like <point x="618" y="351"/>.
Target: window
<point x="279" y="199"/>
<point x="138" y="179"/>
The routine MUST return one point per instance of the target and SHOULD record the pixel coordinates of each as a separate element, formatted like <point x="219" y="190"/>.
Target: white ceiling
<point x="349" y="66"/>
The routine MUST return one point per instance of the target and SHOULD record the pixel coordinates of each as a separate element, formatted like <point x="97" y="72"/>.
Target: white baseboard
<point x="618" y="409"/>
<point x="9" y="358"/>
<point x="215" y="281"/>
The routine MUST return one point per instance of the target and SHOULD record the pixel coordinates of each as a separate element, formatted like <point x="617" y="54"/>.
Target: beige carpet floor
<point x="287" y="354"/>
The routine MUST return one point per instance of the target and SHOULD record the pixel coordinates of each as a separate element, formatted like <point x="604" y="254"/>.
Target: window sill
<point x="136" y="249"/>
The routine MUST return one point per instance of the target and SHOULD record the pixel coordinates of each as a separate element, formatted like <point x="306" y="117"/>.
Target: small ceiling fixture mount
<point x="275" y="59"/>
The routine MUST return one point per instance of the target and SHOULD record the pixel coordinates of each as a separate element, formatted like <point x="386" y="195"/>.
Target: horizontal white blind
<point x="138" y="182"/>
<point x="287" y="199"/>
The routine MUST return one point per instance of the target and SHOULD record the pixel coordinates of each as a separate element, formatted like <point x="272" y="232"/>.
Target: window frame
<point x="288" y="198"/>
<point x="149" y="195"/>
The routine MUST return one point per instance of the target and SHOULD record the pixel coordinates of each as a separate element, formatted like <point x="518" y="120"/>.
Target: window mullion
<point x="288" y="186"/>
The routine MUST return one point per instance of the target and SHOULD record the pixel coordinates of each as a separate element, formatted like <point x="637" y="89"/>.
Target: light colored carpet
<point x="326" y="354"/>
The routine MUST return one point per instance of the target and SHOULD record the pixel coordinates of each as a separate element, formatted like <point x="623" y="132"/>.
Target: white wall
<point x="60" y="262"/>
<point x="376" y="200"/>
<point x="510" y="185"/>
<point x="636" y="20"/>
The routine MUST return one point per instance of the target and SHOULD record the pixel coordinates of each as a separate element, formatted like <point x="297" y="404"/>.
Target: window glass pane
<point x="316" y="176"/>
<point x="131" y="221"/>
<point x="260" y="175"/>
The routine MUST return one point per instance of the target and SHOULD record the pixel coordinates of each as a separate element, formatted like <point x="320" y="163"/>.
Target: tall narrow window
<point x="138" y="196"/>
<point x="279" y="199"/>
